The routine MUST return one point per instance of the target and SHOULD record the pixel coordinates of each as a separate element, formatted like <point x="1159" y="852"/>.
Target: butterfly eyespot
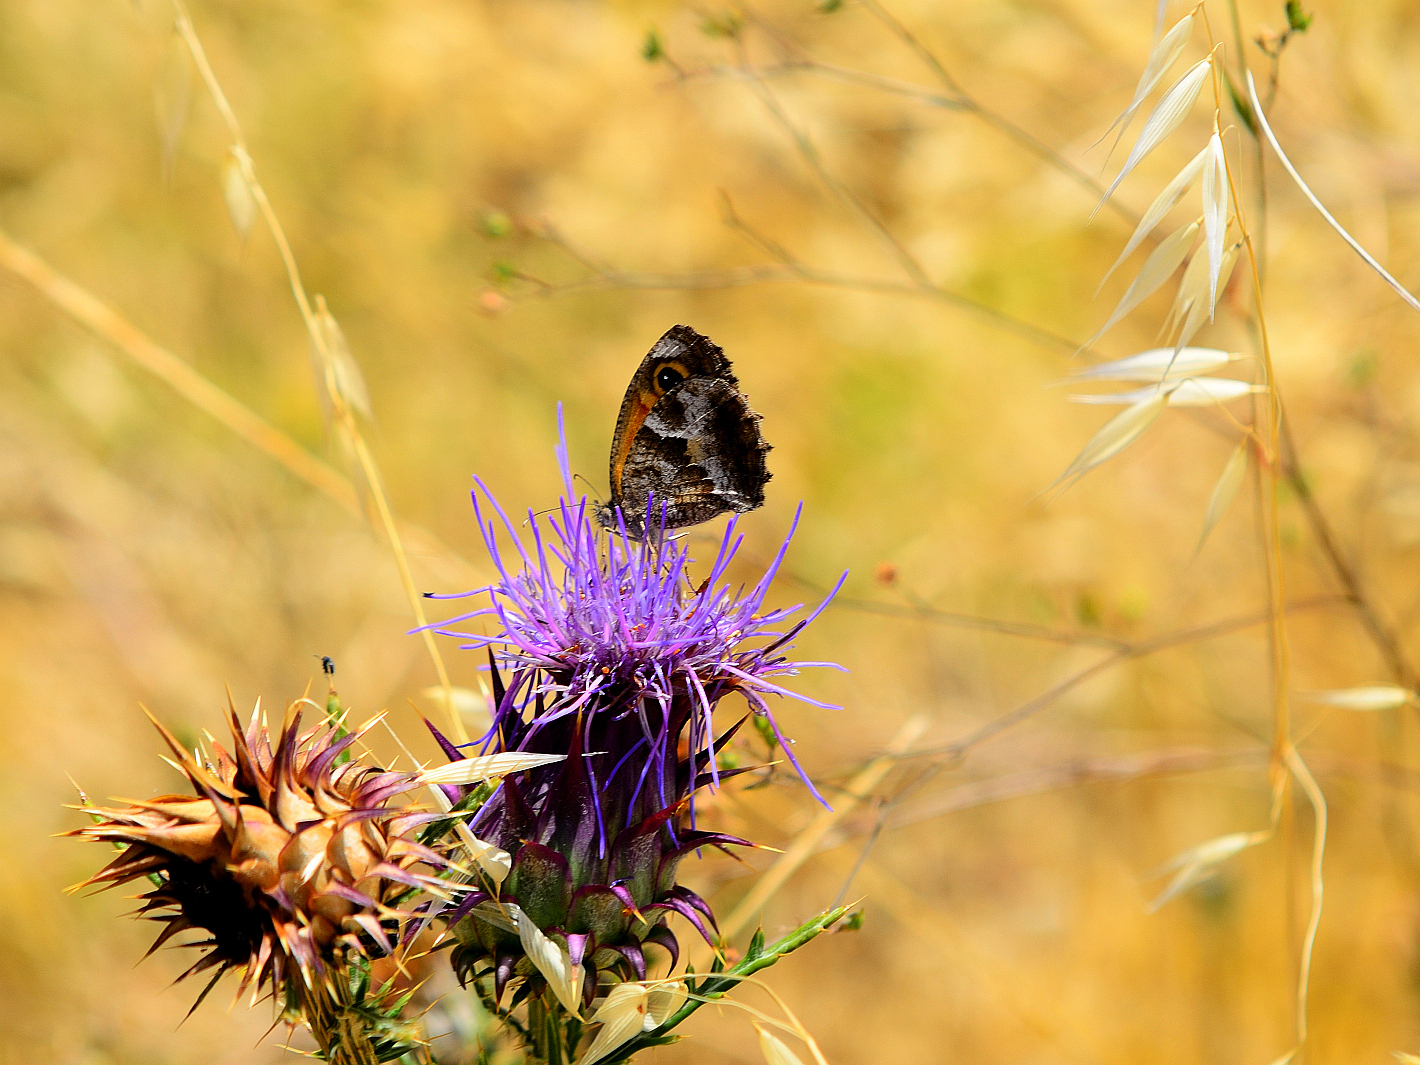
<point x="667" y="377"/>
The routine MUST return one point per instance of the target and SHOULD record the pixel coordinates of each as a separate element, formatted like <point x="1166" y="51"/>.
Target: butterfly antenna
<point x="537" y="514"/>
<point x="591" y="488"/>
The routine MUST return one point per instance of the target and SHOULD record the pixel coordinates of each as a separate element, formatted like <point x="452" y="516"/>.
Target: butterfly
<point x="686" y="439"/>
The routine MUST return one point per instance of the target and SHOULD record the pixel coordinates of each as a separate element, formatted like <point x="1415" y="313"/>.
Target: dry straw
<point x="1211" y="242"/>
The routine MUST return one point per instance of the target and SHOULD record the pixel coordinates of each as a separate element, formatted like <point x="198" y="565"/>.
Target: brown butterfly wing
<point x="681" y="348"/>
<point x="695" y="448"/>
<point x="698" y="453"/>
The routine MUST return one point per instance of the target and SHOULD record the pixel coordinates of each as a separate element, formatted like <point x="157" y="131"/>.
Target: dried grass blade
<point x="1215" y="213"/>
<point x="1165" y="118"/>
<point x="1160" y="59"/>
<point x="1162" y="205"/>
<point x="663" y="999"/>
<point x="1189" y="392"/>
<point x="495" y="862"/>
<point x="1195" y="308"/>
<point x="486" y="767"/>
<point x="1156" y="364"/>
<point x="1116" y="434"/>
<point x="1199" y="863"/>
<point x="551" y="960"/>
<point x="622" y="1016"/>
<point x="467" y="703"/>
<point x="1366" y="698"/>
<point x="237" y="192"/>
<point x="1400" y="289"/>
<point x="172" y="99"/>
<point x="1157" y="269"/>
<point x="774" y="1049"/>
<point x="1224" y="492"/>
<point x="344" y="382"/>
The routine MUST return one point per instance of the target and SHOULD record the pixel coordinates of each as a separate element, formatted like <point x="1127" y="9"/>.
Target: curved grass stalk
<point x="341" y="409"/>
<point x="1314" y="795"/>
<point x="1286" y="763"/>
<point x="1370" y="260"/>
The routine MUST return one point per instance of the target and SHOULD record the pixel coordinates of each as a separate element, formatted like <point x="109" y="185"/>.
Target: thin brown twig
<point x="892" y="813"/>
<point x="994" y="119"/>
<point x="925" y="612"/>
<point x="1382" y="635"/>
<point x="1023" y="630"/>
<point x="1067" y="775"/>
<point x="806" y="841"/>
<point x="789" y="268"/>
<point x="789" y="67"/>
<point x="739" y="277"/>
<point x="1136" y="650"/>
<point x="809" y="152"/>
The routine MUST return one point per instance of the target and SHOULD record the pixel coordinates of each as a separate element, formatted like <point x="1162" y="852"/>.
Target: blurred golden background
<point x="504" y="205"/>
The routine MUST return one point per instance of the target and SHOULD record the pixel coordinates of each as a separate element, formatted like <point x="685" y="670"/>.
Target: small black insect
<point x="327" y="665"/>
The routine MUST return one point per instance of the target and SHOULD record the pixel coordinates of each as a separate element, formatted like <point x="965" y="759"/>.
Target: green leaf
<point x="437" y="830"/>
<point x="715" y="986"/>
<point x="756" y="945"/>
<point x="766" y="732"/>
<point x="1297" y="19"/>
<point x="728" y="24"/>
<point x="497" y="224"/>
<point x="1241" y="105"/>
<point x="651" y="48"/>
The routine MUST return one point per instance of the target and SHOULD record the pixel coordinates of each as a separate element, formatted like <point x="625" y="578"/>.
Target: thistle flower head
<point x="609" y="652"/>
<point x="289" y="856"/>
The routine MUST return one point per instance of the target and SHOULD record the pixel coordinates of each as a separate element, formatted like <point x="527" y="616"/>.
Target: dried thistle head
<point x="288" y="855"/>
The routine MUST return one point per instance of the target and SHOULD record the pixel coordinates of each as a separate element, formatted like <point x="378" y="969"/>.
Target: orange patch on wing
<point x="637" y="416"/>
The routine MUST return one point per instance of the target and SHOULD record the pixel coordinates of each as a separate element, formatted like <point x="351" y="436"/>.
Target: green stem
<point x="717" y="984"/>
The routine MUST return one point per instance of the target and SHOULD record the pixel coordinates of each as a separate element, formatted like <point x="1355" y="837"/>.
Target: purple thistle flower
<point x="607" y="650"/>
